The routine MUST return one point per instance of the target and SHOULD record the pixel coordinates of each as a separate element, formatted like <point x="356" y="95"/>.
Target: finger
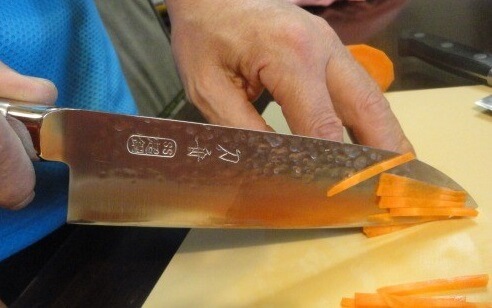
<point x="227" y="104"/>
<point x="16" y="171"/>
<point x="26" y="88"/>
<point x="361" y="105"/>
<point x="302" y="94"/>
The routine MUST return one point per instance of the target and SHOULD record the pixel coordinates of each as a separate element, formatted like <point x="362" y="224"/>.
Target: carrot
<point x="386" y="219"/>
<point x="369" y="172"/>
<point x="347" y="302"/>
<point x="410" y="294"/>
<point x="425" y="302"/>
<point x="430" y="211"/>
<point x="373" y="231"/>
<point x="386" y="202"/>
<point x="406" y="199"/>
<point x="394" y="185"/>
<point x="437" y="285"/>
<point x="376" y="63"/>
<point x="373" y="300"/>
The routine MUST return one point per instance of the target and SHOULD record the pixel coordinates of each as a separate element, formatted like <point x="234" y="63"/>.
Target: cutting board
<point x="316" y="268"/>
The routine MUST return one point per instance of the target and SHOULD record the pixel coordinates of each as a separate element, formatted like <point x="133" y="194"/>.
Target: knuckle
<point x="308" y="40"/>
<point x="373" y="102"/>
<point x="299" y="38"/>
<point x="326" y="126"/>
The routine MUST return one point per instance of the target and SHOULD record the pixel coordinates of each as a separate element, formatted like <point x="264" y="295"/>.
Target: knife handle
<point x="29" y="121"/>
<point x="448" y="55"/>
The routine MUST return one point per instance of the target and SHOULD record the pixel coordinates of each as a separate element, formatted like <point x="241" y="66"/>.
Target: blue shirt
<point x="63" y="41"/>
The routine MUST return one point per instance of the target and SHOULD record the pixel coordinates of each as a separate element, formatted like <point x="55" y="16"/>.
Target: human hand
<point x="17" y="177"/>
<point x="228" y="51"/>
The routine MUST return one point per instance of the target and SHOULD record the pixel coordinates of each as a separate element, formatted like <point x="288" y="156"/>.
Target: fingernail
<point x="23" y="203"/>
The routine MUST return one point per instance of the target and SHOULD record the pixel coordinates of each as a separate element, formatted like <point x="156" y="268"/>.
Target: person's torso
<point x="64" y="41"/>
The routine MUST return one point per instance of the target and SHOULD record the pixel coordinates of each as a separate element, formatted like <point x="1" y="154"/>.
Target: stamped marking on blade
<point x="151" y="146"/>
<point x="199" y="152"/>
<point x="229" y="156"/>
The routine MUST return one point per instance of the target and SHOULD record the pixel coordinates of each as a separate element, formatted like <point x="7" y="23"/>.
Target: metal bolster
<point x="23" y="111"/>
<point x="28" y="115"/>
<point x="4" y="107"/>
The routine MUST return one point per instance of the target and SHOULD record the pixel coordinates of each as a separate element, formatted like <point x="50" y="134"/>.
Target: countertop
<point x="316" y="268"/>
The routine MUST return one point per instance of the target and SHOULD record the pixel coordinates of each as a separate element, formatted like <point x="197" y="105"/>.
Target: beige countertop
<point x="316" y="268"/>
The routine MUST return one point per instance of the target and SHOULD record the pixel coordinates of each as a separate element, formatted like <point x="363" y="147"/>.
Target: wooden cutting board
<point x="316" y="268"/>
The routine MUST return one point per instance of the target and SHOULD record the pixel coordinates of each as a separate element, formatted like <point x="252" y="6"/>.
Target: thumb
<point x="16" y="170"/>
<point x="26" y="88"/>
<point x="17" y="177"/>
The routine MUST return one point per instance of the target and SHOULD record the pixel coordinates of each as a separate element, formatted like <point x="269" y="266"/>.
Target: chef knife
<point x="452" y="56"/>
<point x="141" y="171"/>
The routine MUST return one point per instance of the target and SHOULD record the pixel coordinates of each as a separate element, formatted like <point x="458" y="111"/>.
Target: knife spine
<point x="31" y="116"/>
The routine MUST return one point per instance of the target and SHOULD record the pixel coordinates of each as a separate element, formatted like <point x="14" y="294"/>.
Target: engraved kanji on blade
<point x="197" y="151"/>
<point x="229" y="156"/>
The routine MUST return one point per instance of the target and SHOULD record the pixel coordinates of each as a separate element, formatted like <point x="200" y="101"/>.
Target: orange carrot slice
<point x="410" y="294"/>
<point x="369" y="172"/>
<point x="394" y="185"/>
<point x="386" y="202"/>
<point x="373" y="231"/>
<point x="376" y="63"/>
<point x="434" y="211"/>
<point x="373" y="300"/>
<point x="425" y="302"/>
<point x="437" y="285"/>
<point x="347" y="302"/>
<point x="386" y="219"/>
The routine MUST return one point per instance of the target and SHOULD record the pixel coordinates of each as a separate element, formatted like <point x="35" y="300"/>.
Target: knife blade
<point x="446" y="54"/>
<point x="141" y="171"/>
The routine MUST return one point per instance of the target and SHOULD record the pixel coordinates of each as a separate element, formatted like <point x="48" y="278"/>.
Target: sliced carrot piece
<point x="382" y="218"/>
<point x="369" y="172"/>
<point x="387" y="219"/>
<point x="410" y="294"/>
<point x="437" y="285"/>
<point x="395" y="185"/>
<point x="373" y="231"/>
<point x="386" y="202"/>
<point x="425" y="302"/>
<point x="347" y="302"/>
<point x="434" y="211"/>
<point x="377" y="64"/>
<point x="369" y="300"/>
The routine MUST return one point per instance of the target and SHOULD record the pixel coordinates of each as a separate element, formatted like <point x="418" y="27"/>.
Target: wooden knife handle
<point x="26" y="120"/>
